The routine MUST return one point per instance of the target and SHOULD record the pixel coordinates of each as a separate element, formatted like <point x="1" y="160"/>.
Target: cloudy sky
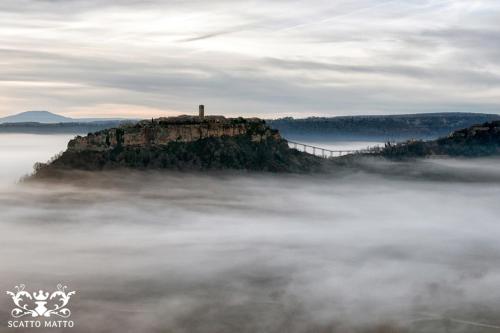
<point x="276" y="58"/>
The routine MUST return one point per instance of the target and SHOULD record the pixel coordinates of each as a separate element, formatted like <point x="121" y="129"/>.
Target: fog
<point x="348" y="252"/>
<point x="18" y="153"/>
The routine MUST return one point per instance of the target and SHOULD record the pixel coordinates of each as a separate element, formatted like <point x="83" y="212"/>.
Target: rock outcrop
<point x="184" y="143"/>
<point x="163" y="131"/>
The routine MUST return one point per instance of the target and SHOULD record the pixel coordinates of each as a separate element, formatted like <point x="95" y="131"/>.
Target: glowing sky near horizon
<point x="128" y="58"/>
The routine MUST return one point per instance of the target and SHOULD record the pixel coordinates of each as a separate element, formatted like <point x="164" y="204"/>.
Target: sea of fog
<point x="171" y="252"/>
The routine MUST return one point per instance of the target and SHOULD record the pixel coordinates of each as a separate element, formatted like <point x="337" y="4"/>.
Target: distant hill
<point x="60" y="128"/>
<point x="36" y="117"/>
<point x="46" y="117"/>
<point x="381" y="128"/>
<point x="475" y="141"/>
<point x="424" y="126"/>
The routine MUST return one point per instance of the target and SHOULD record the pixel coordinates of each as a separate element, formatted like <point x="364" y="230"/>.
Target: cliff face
<point x="163" y="131"/>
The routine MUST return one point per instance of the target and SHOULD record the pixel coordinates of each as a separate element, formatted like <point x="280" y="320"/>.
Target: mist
<point x="18" y="153"/>
<point x="358" y="251"/>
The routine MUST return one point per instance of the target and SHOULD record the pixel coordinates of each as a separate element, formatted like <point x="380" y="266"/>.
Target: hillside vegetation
<point x="381" y="128"/>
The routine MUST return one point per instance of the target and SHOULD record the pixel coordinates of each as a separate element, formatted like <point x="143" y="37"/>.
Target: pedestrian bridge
<point x="329" y="153"/>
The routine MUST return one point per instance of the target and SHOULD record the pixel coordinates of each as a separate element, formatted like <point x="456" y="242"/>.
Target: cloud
<point x="359" y="57"/>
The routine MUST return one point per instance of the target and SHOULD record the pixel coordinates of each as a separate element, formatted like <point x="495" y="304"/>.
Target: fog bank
<point x="164" y="252"/>
<point x="383" y="247"/>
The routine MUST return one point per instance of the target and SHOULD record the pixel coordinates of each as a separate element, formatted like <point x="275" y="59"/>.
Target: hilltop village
<point x="184" y="143"/>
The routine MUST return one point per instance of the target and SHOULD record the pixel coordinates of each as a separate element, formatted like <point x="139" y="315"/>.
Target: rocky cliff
<point x="163" y="131"/>
<point x="184" y="143"/>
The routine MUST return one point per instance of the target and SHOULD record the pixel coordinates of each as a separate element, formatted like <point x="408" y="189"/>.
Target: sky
<point x="131" y="58"/>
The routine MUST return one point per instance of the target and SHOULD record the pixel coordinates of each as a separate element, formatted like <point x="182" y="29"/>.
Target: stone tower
<point x="201" y="111"/>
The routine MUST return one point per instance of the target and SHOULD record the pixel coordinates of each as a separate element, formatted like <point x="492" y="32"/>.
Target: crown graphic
<point x="41" y="296"/>
<point x="38" y="304"/>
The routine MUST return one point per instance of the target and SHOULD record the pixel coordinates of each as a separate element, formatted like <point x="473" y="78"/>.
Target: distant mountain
<point x="381" y="128"/>
<point x="36" y="117"/>
<point x="46" y="117"/>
